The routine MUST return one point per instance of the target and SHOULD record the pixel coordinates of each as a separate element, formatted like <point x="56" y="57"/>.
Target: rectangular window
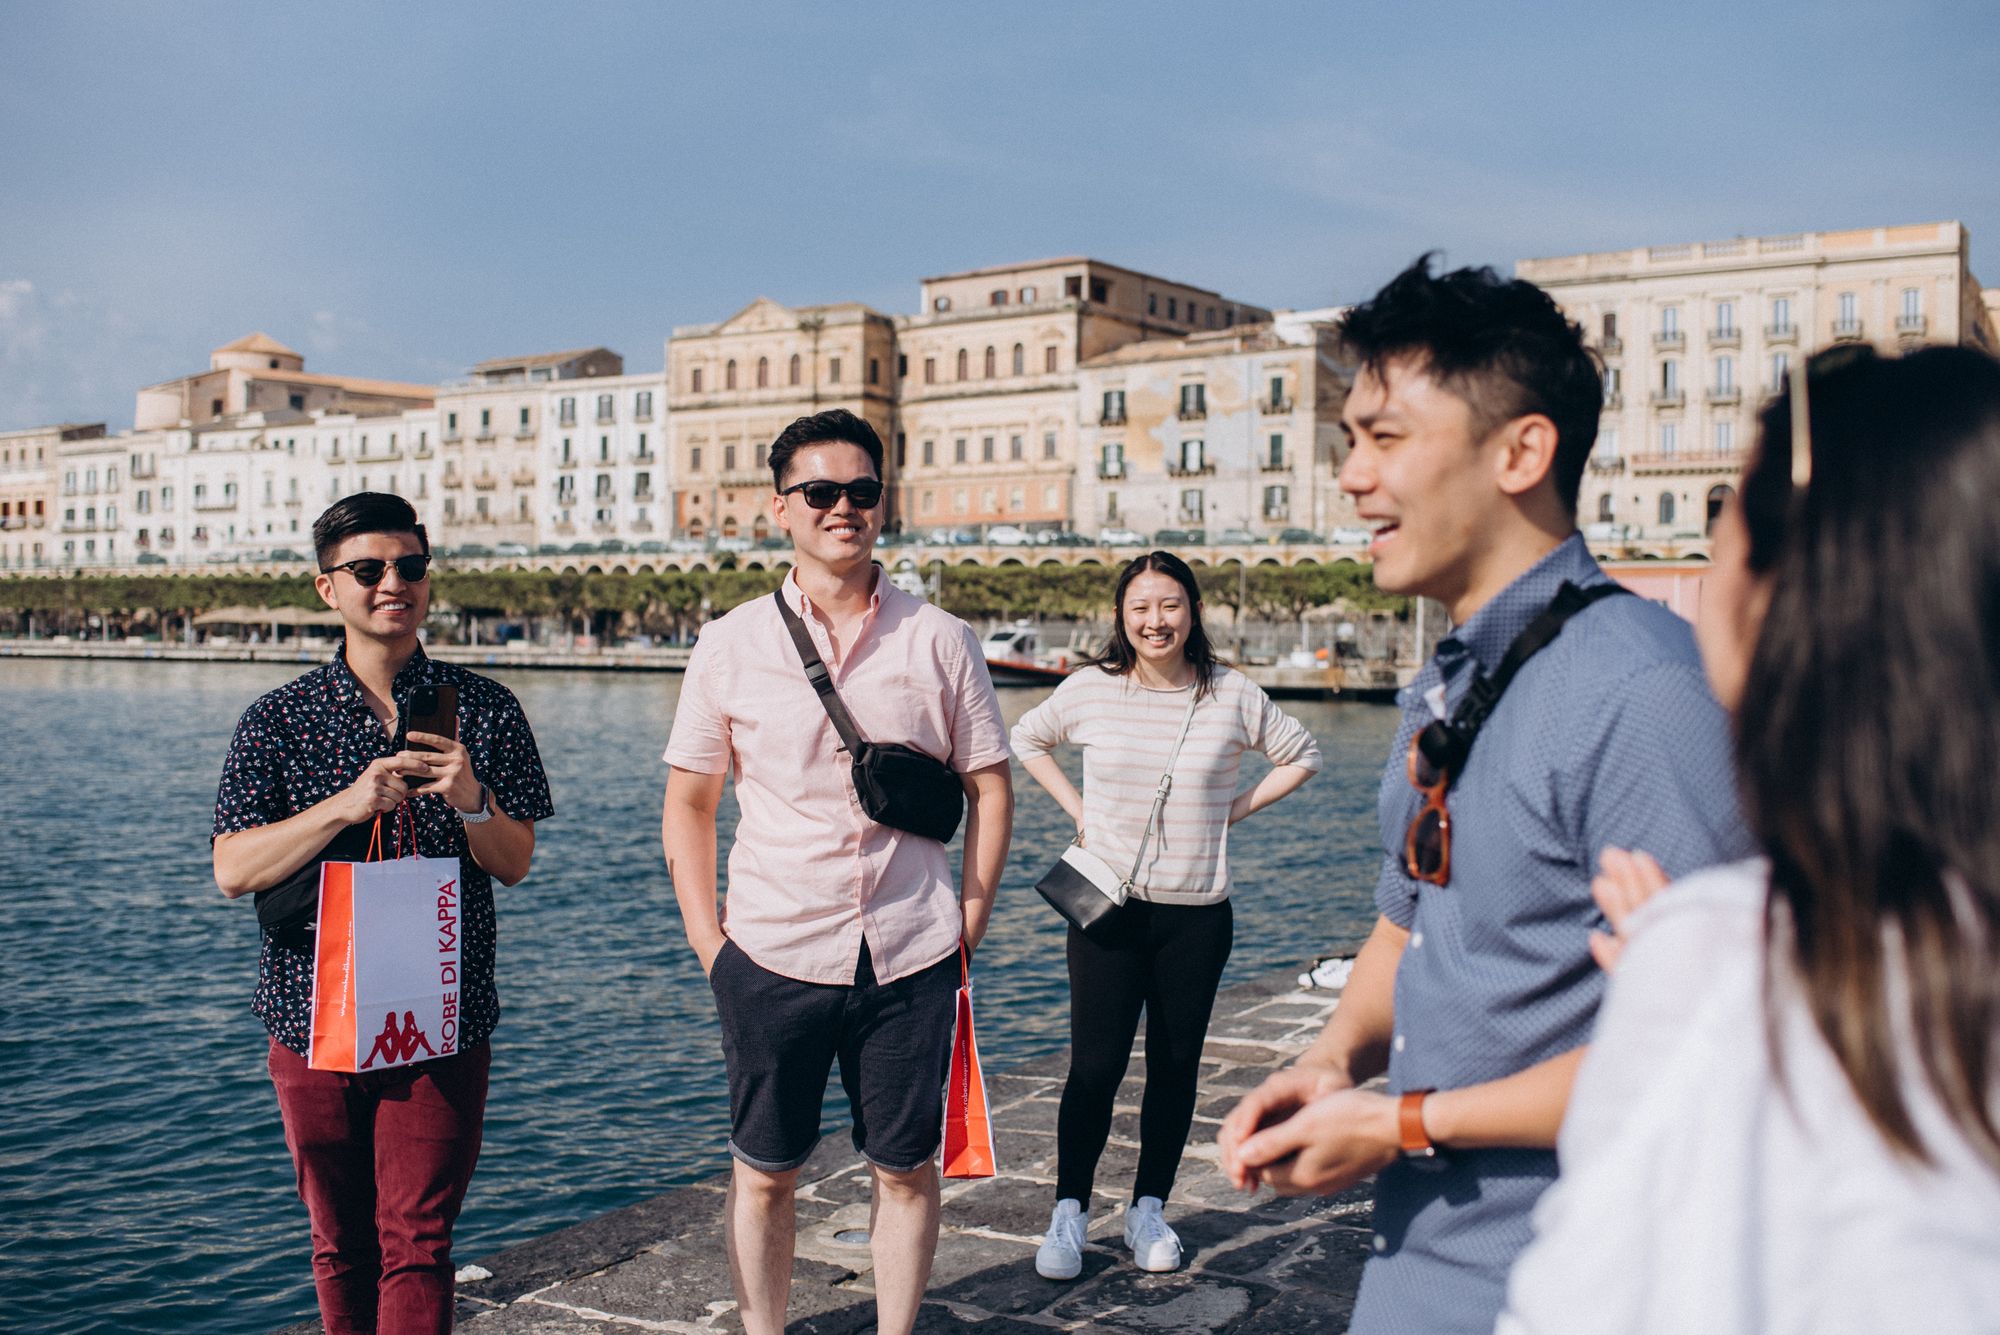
<point x="1670" y="320"/>
<point x="1725" y="437"/>
<point x="604" y="449"/>
<point x="603" y="485"/>
<point x="1114" y="408"/>
<point x="1048" y="444"/>
<point x="694" y="459"/>
<point x="902" y="449"/>
<point x="1173" y="308"/>
<point x="1049" y="359"/>
<point x="1191" y="456"/>
<point x="958" y="450"/>
<point x="485" y="420"/>
<point x="986" y="450"/>
<point x="605" y="412"/>
<point x="833" y="370"/>
<point x="728" y="458"/>
<point x="930" y="453"/>
<point x="1725" y="373"/>
<point x="642" y="407"/>
<point x="1781" y="366"/>
<point x="1670" y="438"/>
<point x="1111" y="459"/>
<point x="1781" y="315"/>
<point x="1725" y="317"/>
<point x="565" y="412"/>
<point x="1016" y="448"/>
<point x="874" y="371"/>
<point x="1850" y="308"/>
<point x="1194" y="401"/>
<point x="1913" y="303"/>
<point x="1275" y="454"/>
<point x="1193" y="504"/>
<point x="1277" y="502"/>
<point x="930" y="370"/>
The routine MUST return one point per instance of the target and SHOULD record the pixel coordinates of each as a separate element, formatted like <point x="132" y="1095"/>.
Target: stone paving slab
<point x="1254" y="1265"/>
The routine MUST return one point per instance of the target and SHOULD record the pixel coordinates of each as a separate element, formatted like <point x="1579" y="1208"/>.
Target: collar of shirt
<point x="1485" y="637"/>
<point x="796" y="596"/>
<point x="345" y="687"/>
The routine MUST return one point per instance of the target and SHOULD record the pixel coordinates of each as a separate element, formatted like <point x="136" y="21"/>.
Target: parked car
<point x="549" y="549"/>
<point x="1296" y="536"/>
<point x="1351" y="535"/>
<point x="895" y="539"/>
<point x="1181" y="537"/>
<point x="1121" y="537"/>
<point x="1062" y="537"/>
<point x="1236" y="537"/>
<point x="965" y="537"/>
<point x="510" y="549"/>
<point x="651" y="547"/>
<point x="151" y="559"/>
<point x="1007" y="535"/>
<point x="1606" y="532"/>
<point x="686" y="546"/>
<point x="581" y="549"/>
<point x="474" y="549"/>
<point x="777" y="542"/>
<point x="286" y="554"/>
<point x="732" y="544"/>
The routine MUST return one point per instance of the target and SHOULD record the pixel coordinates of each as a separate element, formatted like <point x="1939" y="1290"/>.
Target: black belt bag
<point x="898" y="785"/>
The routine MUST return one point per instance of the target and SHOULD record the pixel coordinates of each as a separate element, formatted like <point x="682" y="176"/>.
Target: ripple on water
<point x="143" y="1177"/>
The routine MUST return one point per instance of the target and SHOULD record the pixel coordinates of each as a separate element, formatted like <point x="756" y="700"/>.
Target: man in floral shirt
<point x="383" y="1157"/>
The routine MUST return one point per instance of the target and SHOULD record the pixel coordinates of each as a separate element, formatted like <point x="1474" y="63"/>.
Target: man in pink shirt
<point x="842" y="934"/>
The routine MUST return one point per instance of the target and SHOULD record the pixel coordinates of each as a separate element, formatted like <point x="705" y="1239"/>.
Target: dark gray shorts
<point x="781" y="1037"/>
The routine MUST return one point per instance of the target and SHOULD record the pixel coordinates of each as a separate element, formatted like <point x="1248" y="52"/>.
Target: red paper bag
<point x="968" y="1125"/>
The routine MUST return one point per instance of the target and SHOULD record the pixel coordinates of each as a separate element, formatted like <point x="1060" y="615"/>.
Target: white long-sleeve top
<point x="1701" y="1194"/>
<point x="1126" y="732"/>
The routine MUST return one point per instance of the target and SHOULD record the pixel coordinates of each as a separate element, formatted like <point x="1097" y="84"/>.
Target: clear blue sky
<point x="403" y="189"/>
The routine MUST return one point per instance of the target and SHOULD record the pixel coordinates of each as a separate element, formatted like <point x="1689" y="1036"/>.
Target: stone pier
<point x="1254" y="1265"/>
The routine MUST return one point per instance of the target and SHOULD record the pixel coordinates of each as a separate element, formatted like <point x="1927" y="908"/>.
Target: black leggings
<point x="1166" y="958"/>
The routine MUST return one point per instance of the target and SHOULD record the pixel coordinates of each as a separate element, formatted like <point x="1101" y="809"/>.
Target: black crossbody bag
<point x="898" y="785"/>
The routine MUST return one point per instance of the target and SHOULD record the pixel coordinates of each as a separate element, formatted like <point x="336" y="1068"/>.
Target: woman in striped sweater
<point x="1165" y="955"/>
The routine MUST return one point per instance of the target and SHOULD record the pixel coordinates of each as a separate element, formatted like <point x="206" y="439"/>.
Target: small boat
<point x="1014" y="658"/>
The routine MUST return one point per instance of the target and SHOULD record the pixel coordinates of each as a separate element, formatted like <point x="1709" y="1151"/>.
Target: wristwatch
<point x="485" y="812"/>
<point x="1410" y="1133"/>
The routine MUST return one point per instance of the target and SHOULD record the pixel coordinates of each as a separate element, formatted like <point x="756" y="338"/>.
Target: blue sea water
<point x="144" y="1184"/>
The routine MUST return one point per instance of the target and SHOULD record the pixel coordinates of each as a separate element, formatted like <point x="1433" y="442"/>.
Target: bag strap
<point x="821" y="679"/>
<point x="1485" y="692"/>
<point x="1166" y="786"/>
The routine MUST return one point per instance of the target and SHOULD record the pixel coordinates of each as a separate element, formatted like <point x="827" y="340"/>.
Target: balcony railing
<point x="1111" y="472"/>
<point x="642" y="414"/>
<point x="1270" y="465"/>
<point x="524" y="431"/>
<point x="451" y="435"/>
<point x="1668" y="340"/>
<point x="1729" y="337"/>
<point x="1194" y="470"/>
<point x="216" y="503"/>
<point x="1781" y="333"/>
<point x="484" y="435"/>
<point x="1705" y="462"/>
<point x="1721" y="395"/>
<point x="1668" y="398"/>
<point x="1111" y="417"/>
<point x="1912" y="326"/>
<point x="1614" y="401"/>
<point x="423" y="451"/>
<point x="1274" y="407"/>
<point x="606" y="418"/>
<point x="643" y="494"/>
<point x="1608" y="464"/>
<point x="642" y="525"/>
<point x="646" y="456"/>
<point x="757" y="479"/>
<point x="1192" y="412"/>
<point x="1611" y="345"/>
<point x="522" y="477"/>
<point x="485" y="482"/>
<point x="1846" y="331"/>
<point x="1277" y="512"/>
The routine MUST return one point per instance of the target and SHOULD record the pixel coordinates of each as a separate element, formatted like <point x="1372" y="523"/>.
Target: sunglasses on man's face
<point x="369" y="570"/>
<point x="865" y="492"/>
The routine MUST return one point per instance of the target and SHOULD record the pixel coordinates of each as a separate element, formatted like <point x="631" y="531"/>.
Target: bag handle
<point x="398" y="818"/>
<point x="1166" y="786"/>
<point x="821" y="679"/>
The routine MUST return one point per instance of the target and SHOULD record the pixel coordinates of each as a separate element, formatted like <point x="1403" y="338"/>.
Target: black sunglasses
<point x="865" y="492"/>
<point x="368" y="570"/>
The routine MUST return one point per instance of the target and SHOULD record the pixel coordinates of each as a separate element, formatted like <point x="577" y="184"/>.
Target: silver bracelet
<point x="485" y="812"/>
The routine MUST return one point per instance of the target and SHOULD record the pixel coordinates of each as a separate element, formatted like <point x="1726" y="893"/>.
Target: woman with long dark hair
<point x="1157" y="701"/>
<point x="1789" y="1120"/>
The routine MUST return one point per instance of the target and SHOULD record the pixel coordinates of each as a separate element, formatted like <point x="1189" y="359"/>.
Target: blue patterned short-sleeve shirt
<point x="312" y="737"/>
<point x="1608" y="737"/>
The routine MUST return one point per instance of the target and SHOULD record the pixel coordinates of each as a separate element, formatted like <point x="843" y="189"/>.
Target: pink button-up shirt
<point x="810" y="875"/>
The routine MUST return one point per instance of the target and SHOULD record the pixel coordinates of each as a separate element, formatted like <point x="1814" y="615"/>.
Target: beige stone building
<point x="490" y="438"/>
<point x="988" y="422"/>
<point x="29" y="500"/>
<point x="733" y="386"/>
<point x="1695" y="337"/>
<point x="258" y="373"/>
<point x="1234" y="432"/>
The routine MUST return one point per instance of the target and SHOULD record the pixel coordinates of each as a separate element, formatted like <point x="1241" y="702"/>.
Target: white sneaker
<point x="1155" y="1247"/>
<point x="1061" y="1254"/>
<point x="1331" y="973"/>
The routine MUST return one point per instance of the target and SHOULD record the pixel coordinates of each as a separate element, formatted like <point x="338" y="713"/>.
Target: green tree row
<point x="674" y="601"/>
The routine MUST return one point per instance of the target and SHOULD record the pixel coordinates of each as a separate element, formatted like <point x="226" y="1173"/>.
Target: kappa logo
<point x="394" y="1045"/>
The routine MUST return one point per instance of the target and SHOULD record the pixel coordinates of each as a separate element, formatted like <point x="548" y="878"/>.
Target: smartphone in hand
<point x="433" y="709"/>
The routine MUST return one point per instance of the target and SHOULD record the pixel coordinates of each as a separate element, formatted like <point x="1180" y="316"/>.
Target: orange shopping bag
<point x="386" y="961"/>
<point x="968" y="1126"/>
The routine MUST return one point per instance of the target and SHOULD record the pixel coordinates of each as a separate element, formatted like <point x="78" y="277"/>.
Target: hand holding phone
<point x="433" y="709"/>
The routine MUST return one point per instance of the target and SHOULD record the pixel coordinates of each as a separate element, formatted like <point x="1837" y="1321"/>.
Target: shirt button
<point x="1417" y="940"/>
<point x="1381" y="1243"/>
<point x="1399" y="1042"/>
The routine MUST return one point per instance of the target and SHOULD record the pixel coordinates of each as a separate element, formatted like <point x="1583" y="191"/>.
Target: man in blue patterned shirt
<point x="1471" y="418"/>
<point x="383" y="1158"/>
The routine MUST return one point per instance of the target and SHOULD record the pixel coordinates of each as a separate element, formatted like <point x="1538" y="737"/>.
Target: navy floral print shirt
<point x="312" y="737"/>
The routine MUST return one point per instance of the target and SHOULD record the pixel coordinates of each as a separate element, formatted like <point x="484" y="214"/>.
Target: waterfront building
<point x="257" y="373"/>
<point x="604" y="462"/>
<point x="492" y="428"/>
<point x="734" y="385"/>
<point x="1234" y="432"/>
<point x="990" y="407"/>
<point x="1694" y="337"/>
<point x="28" y="493"/>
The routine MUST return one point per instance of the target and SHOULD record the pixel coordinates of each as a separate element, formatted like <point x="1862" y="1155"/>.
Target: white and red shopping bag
<point x="968" y="1125"/>
<point x="386" y="989"/>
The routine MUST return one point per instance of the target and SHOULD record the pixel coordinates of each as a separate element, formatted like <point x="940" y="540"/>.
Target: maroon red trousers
<point x="383" y="1160"/>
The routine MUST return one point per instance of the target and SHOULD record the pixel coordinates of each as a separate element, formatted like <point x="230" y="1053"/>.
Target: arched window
<point x="1718" y="496"/>
<point x="963" y="362"/>
<point x="729" y="374"/>
<point x="694" y="381"/>
<point x="1020" y="360"/>
<point x="763" y="373"/>
<point x="992" y="362"/>
<point x="1666" y="507"/>
<point x="1604" y="508"/>
<point x="793" y="371"/>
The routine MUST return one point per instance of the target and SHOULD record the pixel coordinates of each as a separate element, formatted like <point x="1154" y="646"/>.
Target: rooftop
<point x="1070" y="259"/>
<point x="537" y="359"/>
<point x="1747" y="252"/>
<point x="258" y="342"/>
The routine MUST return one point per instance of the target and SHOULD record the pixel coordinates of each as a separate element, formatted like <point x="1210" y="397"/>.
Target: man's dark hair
<point x="835" y="424"/>
<point x="364" y="512"/>
<point x="1500" y="344"/>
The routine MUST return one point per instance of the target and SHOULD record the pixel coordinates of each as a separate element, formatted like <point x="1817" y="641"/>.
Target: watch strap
<point x="485" y="812"/>
<point x="1410" y="1134"/>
